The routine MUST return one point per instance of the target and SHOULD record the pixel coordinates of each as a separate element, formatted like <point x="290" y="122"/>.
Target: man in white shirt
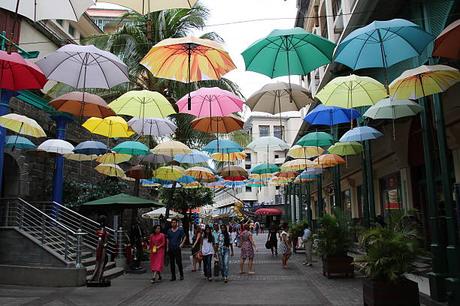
<point x="307" y="241"/>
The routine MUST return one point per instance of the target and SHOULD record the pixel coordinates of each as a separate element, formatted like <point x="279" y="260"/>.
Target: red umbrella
<point x="269" y="211"/>
<point x="17" y="73"/>
<point x="447" y="43"/>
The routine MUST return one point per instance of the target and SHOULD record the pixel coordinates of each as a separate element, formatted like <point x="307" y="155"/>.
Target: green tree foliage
<point x="185" y="199"/>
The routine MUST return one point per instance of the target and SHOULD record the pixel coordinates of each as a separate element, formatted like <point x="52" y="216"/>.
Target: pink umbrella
<point x="211" y="102"/>
<point x="17" y="73"/>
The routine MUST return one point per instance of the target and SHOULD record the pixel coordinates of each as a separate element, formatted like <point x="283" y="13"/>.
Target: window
<point x="390" y="191"/>
<point x="264" y="130"/>
<point x="277" y="156"/>
<point x="278" y="131"/>
<point x="247" y="166"/>
<point x="248" y="189"/>
<point x="248" y="157"/>
<point x="71" y="30"/>
<point x="61" y="22"/>
<point x="346" y="202"/>
<point x="277" y="187"/>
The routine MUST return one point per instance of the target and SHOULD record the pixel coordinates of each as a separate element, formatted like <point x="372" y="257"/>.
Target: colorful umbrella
<point x="82" y="104"/>
<point x="360" y="133"/>
<point x="192" y="185"/>
<point x="228" y="157"/>
<point x="169" y="173"/>
<point x="346" y="148"/>
<point x="113" y="158"/>
<point x="219" y="124"/>
<point x="256" y="184"/>
<point x="18" y="73"/>
<point x="22" y="125"/>
<point x="447" y="43"/>
<point x="157" y="127"/>
<point x="110" y="170"/>
<point x="305" y="178"/>
<point x="196" y="157"/>
<point x="216" y="185"/>
<point x="393" y="109"/>
<point x="329" y="160"/>
<point x="171" y="148"/>
<point x="287" y="175"/>
<point x="233" y="173"/>
<point x="138" y="172"/>
<point x="111" y="127"/>
<point x="317" y="139"/>
<point x="268" y="143"/>
<point x="18" y="142"/>
<point x="148" y="6"/>
<point x="234" y="184"/>
<point x="331" y="115"/>
<point x="280" y="181"/>
<point x="313" y="171"/>
<point x="142" y="104"/>
<point x="424" y="81"/>
<point x="201" y="174"/>
<point x="186" y="179"/>
<point x="297" y="165"/>
<point x="91" y="147"/>
<point x="262" y="176"/>
<point x="265" y="168"/>
<point x="153" y="159"/>
<point x="297" y="151"/>
<point x="210" y="102"/>
<point x="131" y="148"/>
<point x="222" y="146"/>
<point x="57" y="146"/>
<point x="352" y="91"/>
<point x="80" y="157"/>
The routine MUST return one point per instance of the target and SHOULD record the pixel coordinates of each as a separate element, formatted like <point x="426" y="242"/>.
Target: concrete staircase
<point x="111" y="271"/>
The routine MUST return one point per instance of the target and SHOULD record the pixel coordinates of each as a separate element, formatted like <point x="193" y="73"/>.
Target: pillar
<point x="58" y="178"/>
<point x="5" y="96"/>
<point x="370" y="181"/>
<point x="320" y="197"/>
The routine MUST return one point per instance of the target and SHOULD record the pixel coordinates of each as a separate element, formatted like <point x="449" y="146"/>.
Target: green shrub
<point x="334" y="235"/>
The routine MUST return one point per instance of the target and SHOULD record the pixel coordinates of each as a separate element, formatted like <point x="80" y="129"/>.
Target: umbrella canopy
<point x="233" y="173"/>
<point x="91" y="147"/>
<point x="186" y="179"/>
<point x="188" y="59"/>
<point x="80" y="157"/>
<point x="447" y="43"/>
<point x="192" y="185"/>
<point x="360" y="133"/>
<point x="157" y="127"/>
<point x="269" y="212"/>
<point x="305" y="177"/>
<point x="196" y="157"/>
<point x="157" y="213"/>
<point x="131" y="148"/>
<point x="228" y="157"/>
<point x="111" y="127"/>
<point x="297" y="151"/>
<point x="256" y="184"/>
<point x="288" y="52"/>
<point x="171" y="148"/>
<point x="222" y="146"/>
<point x="42" y="10"/>
<point x="393" y="109"/>
<point x="317" y="139"/>
<point x="210" y="102"/>
<point x="260" y="177"/>
<point x="287" y="175"/>
<point x="18" y="73"/>
<point x="22" y="125"/>
<point x="201" y="174"/>
<point x="313" y="171"/>
<point x="216" y="185"/>
<point x="218" y="124"/>
<point x="142" y="104"/>
<point x="279" y="97"/>
<point x="268" y="143"/>
<point x="329" y="160"/>
<point x="144" y="7"/>
<point x="382" y="44"/>
<point x="57" y="146"/>
<point x="331" y="115"/>
<point x="82" y="104"/>
<point x="123" y="200"/>
<point x="18" y="142"/>
<point x="84" y="67"/>
<point x="113" y="158"/>
<point x="352" y="91"/>
<point x="280" y="181"/>
<point x="346" y="148"/>
<point x="110" y="170"/>
<point x="153" y="159"/>
<point x="169" y="173"/>
<point x="424" y="81"/>
<point x="297" y="165"/>
<point x="265" y="168"/>
<point x="138" y="172"/>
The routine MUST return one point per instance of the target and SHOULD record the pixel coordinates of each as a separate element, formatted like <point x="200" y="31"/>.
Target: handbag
<point x="154" y="249"/>
<point x="216" y="268"/>
<point x="199" y="256"/>
<point x="268" y="245"/>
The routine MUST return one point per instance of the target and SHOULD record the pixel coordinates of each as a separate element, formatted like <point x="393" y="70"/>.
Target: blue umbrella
<point x="331" y="115"/>
<point x="382" y="44"/>
<point x="236" y="184"/>
<point x="19" y="142"/>
<point x="91" y="147"/>
<point x="222" y="146"/>
<point x="312" y="171"/>
<point x="131" y="148"/>
<point x="360" y="133"/>
<point x="186" y="179"/>
<point x="196" y="157"/>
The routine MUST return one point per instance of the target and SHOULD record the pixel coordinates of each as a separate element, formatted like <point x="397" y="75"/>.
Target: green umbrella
<point x="131" y="148"/>
<point x="317" y="139"/>
<point x="265" y="168"/>
<point x="346" y="148"/>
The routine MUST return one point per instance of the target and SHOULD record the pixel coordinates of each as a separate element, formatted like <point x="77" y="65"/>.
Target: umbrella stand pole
<point x="189" y="103"/>
<point x="384" y="62"/>
<point x="289" y="70"/>
<point x="281" y="122"/>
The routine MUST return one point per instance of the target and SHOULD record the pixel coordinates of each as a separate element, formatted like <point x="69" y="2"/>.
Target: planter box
<point x="338" y="266"/>
<point x="401" y="293"/>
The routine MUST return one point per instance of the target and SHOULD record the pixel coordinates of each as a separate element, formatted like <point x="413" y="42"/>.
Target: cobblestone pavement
<point x="271" y="285"/>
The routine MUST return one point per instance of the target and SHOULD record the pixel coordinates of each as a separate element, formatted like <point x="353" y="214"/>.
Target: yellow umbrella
<point x="142" y="104"/>
<point x="201" y="174"/>
<point x="113" y="158"/>
<point x="192" y="185"/>
<point x="171" y="148"/>
<point x="298" y="165"/>
<point x="286" y="174"/>
<point x="111" y="127"/>
<point x="22" y="125"/>
<point x="169" y="173"/>
<point x="304" y="152"/>
<point x="280" y="181"/>
<point x="80" y="157"/>
<point x="148" y="6"/>
<point x="260" y="176"/>
<point x="424" y="81"/>
<point x="329" y="160"/>
<point x="226" y="157"/>
<point x="110" y="170"/>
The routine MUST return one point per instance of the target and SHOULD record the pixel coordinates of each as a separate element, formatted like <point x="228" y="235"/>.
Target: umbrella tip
<point x="189" y="105"/>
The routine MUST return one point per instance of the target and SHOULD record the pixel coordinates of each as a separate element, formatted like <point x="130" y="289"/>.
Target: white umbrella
<point x="84" y="67"/>
<point x="268" y="143"/>
<point x="48" y="9"/>
<point x="58" y="146"/>
<point x="155" y="214"/>
<point x="152" y="126"/>
<point x="148" y="6"/>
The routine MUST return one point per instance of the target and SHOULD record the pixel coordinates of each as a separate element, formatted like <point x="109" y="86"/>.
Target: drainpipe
<point x="5" y="95"/>
<point x="58" y="178"/>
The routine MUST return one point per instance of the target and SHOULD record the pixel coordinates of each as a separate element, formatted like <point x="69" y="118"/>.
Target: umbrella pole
<point x="189" y="104"/>
<point x="384" y="62"/>
<point x="289" y="69"/>
<point x="281" y="122"/>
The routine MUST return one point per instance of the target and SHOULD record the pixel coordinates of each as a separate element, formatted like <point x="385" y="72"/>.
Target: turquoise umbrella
<point x="222" y="146"/>
<point x="19" y="142"/>
<point x="265" y="168"/>
<point x="317" y="139"/>
<point x="131" y="148"/>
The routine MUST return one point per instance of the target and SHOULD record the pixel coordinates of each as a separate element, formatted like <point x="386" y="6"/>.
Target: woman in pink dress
<point x="157" y="252"/>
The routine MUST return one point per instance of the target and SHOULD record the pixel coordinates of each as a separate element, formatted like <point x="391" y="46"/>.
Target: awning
<point x="269" y="211"/>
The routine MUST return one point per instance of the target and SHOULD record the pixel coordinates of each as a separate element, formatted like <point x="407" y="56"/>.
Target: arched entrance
<point x="11" y="177"/>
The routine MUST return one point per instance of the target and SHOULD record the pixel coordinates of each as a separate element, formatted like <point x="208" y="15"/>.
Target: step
<point x="108" y="266"/>
<point x="89" y="261"/>
<point x="111" y="273"/>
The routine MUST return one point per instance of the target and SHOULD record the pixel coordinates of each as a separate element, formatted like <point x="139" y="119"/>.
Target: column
<point x="320" y="197"/>
<point x="370" y="181"/>
<point x="5" y="96"/>
<point x="58" y="178"/>
<point x="329" y="20"/>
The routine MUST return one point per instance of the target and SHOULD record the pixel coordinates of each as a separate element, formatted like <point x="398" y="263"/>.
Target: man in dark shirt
<point x="176" y="238"/>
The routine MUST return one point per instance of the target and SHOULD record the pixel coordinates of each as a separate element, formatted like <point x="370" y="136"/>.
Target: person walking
<point x="176" y="239"/>
<point x="225" y="250"/>
<point x="157" y="245"/>
<point x="196" y="248"/>
<point x="207" y="249"/>
<point x="232" y="233"/>
<point x="307" y="242"/>
<point x="285" y="246"/>
<point x="257" y="227"/>
<point x="248" y="247"/>
<point x="272" y="238"/>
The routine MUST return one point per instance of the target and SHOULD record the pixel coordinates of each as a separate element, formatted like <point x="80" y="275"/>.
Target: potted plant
<point x="333" y="242"/>
<point x="390" y="253"/>
<point x="296" y="231"/>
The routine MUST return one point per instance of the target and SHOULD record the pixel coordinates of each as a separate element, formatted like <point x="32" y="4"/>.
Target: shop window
<point x="264" y="130"/>
<point x="390" y="192"/>
<point x="346" y="202"/>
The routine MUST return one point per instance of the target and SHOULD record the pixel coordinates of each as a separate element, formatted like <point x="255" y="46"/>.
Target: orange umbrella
<point x="447" y="43"/>
<point x="225" y="124"/>
<point x="82" y="104"/>
<point x="287" y="175"/>
<point x="329" y="160"/>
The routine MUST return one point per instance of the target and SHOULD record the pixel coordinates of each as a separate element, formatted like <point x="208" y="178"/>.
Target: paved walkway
<point x="271" y="285"/>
